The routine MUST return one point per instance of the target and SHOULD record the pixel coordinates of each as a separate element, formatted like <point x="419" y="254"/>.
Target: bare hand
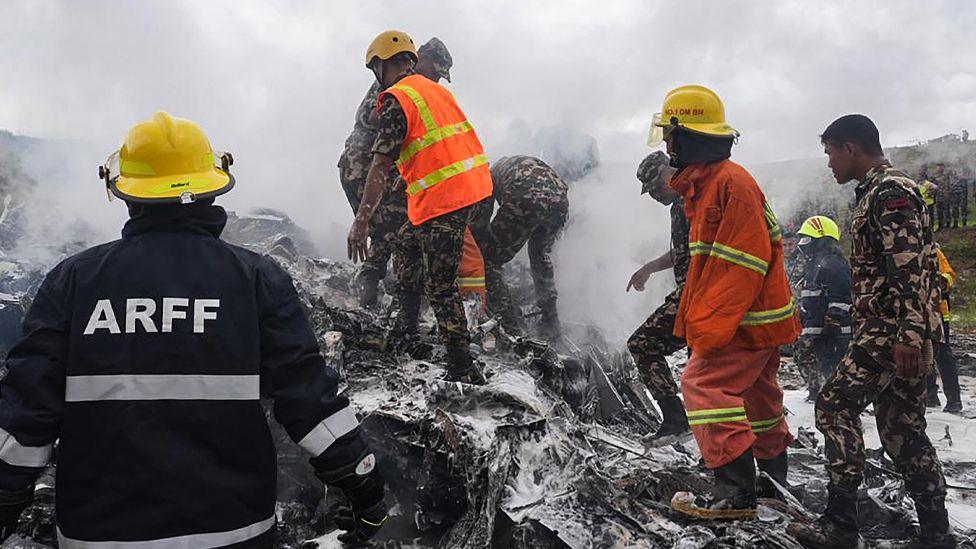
<point x="908" y="362"/>
<point x="638" y="280"/>
<point x="356" y="240"/>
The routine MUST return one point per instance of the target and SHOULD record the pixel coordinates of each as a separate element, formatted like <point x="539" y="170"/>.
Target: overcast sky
<point x="277" y="83"/>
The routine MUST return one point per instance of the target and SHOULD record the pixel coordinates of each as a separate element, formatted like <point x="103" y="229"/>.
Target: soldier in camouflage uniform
<point x="435" y="63"/>
<point x="958" y="199"/>
<point x="943" y="195"/>
<point x="896" y="319"/>
<point x="654" y="340"/>
<point x="532" y="209"/>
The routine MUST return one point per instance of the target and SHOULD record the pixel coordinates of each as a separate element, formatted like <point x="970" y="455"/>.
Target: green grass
<point x="959" y="245"/>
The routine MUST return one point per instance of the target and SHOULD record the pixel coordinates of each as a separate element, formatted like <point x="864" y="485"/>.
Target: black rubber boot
<point x="776" y="468"/>
<point x="408" y="319"/>
<point x="934" y="531"/>
<point x="462" y="367"/>
<point x="550" y="329"/>
<point x="836" y="529"/>
<point x="932" y="400"/>
<point x="735" y="484"/>
<point x="674" y="422"/>
<point x="369" y="292"/>
<point x="953" y="406"/>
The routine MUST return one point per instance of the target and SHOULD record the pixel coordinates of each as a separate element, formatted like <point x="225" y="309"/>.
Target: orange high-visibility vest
<point x="441" y="160"/>
<point x="471" y="275"/>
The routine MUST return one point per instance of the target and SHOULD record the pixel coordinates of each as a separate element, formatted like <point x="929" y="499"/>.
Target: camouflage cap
<point x="649" y="171"/>
<point x="439" y="56"/>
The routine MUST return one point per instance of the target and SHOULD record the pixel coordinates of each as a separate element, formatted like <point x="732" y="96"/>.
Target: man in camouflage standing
<point x="958" y="199"/>
<point x="943" y="195"/>
<point x="435" y="63"/>
<point x="532" y="209"/>
<point x="654" y="340"/>
<point x="896" y="319"/>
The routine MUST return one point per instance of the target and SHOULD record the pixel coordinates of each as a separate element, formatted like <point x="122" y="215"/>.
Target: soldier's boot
<point x="674" y="422"/>
<point x="934" y="531"/>
<point x="370" y="290"/>
<point x="953" y="398"/>
<point x="462" y="367"/>
<point x="776" y="468"/>
<point x="408" y="318"/>
<point x="735" y="484"/>
<point x="953" y="406"/>
<point x="933" y="400"/>
<point x="836" y="529"/>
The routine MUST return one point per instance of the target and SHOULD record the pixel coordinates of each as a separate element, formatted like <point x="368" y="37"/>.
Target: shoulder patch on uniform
<point x="897" y="203"/>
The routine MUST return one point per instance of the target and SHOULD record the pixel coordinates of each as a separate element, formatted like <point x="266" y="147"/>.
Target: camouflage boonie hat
<point x="439" y="55"/>
<point x="649" y="171"/>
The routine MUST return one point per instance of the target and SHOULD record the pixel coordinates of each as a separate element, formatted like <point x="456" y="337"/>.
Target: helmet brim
<point x="172" y="188"/>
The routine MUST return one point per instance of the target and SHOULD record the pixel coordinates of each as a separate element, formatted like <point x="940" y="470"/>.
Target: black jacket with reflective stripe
<point x="145" y="357"/>
<point x="826" y="292"/>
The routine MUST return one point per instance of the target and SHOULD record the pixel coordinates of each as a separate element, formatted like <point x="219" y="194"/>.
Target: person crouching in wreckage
<point x="445" y="169"/>
<point x="896" y="318"/>
<point x="736" y="308"/>
<point x="147" y="357"/>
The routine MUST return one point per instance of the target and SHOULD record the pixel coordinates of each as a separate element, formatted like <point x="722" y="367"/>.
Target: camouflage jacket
<point x="520" y="178"/>
<point x="894" y="267"/>
<point x="363" y="132"/>
<point x="958" y="187"/>
<point x="679" y="241"/>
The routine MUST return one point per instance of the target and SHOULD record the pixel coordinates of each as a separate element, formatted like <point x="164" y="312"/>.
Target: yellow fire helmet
<point x="166" y="159"/>
<point x="695" y="108"/>
<point x="820" y="226"/>
<point x="389" y="43"/>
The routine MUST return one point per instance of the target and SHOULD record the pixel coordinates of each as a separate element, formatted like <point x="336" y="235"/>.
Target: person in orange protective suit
<point x="737" y="307"/>
<point x="471" y="274"/>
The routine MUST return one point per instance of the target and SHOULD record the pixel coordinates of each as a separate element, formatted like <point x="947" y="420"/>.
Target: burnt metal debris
<point x="548" y="454"/>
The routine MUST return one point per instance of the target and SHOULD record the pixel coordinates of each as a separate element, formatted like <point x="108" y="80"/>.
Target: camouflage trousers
<point x="432" y="251"/>
<point x="537" y="223"/>
<point x="868" y="376"/>
<point x="817" y="357"/>
<point x="389" y="216"/>
<point x="653" y="342"/>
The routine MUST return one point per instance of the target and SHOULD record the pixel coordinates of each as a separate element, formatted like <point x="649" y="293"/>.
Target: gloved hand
<point x="12" y="504"/>
<point x="364" y="487"/>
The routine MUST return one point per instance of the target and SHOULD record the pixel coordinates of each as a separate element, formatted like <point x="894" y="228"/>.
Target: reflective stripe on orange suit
<point x="442" y="161"/>
<point x="471" y="275"/>
<point x="736" y="310"/>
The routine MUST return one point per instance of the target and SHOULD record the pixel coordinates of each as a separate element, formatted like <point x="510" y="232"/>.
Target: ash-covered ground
<point x="548" y="454"/>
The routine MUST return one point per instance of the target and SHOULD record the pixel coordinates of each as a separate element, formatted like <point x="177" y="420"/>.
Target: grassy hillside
<point x="959" y="245"/>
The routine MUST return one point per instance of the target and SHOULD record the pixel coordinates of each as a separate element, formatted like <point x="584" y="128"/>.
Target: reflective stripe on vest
<point x="446" y="172"/>
<point x="839" y="305"/>
<point x="716" y="415"/>
<point x="162" y="387"/>
<point x="15" y="453"/>
<point x="758" y="318"/>
<point x="811" y="293"/>
<point x="189" y="541"/>
<point x="730" y="254"/>
<point x="772" y="224"/>
<point x="328" y="431"/>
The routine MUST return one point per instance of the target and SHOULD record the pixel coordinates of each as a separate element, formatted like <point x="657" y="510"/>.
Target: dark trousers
<point x="945" y="362"/>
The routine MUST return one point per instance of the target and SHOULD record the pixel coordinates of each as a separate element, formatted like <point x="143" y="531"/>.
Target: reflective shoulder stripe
<point x="434" y="136"/>
<point x="772" y="224"/>
<point x="758" y="318"/>
<point x="839" y="305"/>
<point x="189" y="541"/>
<point x="162" y="387"/>
<point x="15" y="453"/>
<point x="418" y="100"/>
<point x="730" y="254"/>
<point x="446" y="172"/>
<point x="811" y="293"/>
<point x="329" y="430"/>
<point x="716" y="415"/>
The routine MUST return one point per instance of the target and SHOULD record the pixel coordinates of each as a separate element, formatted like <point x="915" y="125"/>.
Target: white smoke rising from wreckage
<point x="277" y="84"/>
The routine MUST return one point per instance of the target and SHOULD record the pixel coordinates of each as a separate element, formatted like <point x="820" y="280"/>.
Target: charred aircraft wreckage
<point x="548" y="454"/>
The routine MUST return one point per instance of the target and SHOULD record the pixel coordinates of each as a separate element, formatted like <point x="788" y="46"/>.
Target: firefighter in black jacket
<point x="146" y="357"/>
<point x="825" y="302"/>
